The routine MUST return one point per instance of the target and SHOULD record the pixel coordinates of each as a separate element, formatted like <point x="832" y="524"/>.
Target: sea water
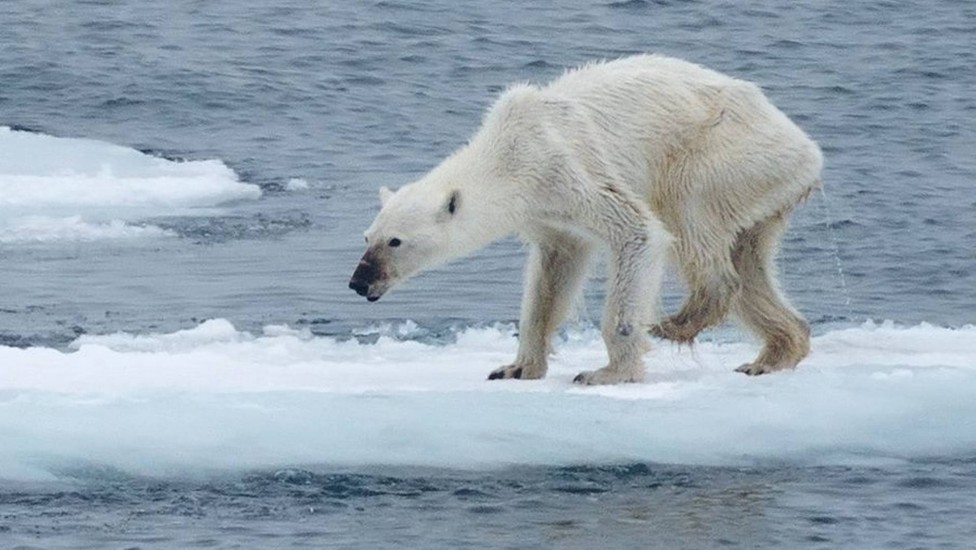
<point x="183" y="188"/>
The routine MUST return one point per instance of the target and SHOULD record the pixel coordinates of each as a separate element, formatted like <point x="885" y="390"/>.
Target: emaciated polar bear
<point x="652" y="157"/>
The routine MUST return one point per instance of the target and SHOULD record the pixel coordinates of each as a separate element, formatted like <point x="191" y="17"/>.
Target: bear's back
<point x="648" y="73"/>
<point x="650" y="117"/>
<point x="658" y="97"/>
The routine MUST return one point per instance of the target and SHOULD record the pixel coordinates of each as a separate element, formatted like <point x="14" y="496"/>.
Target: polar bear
<point x="651" y="158"/>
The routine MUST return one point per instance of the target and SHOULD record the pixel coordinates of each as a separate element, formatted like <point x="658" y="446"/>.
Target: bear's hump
<point x="646" y="69"/>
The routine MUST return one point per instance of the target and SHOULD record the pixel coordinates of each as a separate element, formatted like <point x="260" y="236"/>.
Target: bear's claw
<point x="605" y="376"/>
<point x="496" y="375"/>
<point x="510" y="371"/>
<point x="756" y="369"/>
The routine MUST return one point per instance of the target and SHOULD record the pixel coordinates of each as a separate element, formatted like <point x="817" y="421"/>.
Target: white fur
<point x="643" y="156"/>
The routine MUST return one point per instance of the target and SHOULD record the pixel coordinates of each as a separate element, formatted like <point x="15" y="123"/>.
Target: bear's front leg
<point x="626" y="346"/>
<point x="555" y="272"/>
<point x="636" y="272"/>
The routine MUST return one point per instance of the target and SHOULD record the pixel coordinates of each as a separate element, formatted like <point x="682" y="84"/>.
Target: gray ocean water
<point x="351" y="96"/>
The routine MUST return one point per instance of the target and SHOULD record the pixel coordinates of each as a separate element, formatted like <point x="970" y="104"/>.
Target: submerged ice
<point x="214" y="397"/>
<point x="72" y="189"/>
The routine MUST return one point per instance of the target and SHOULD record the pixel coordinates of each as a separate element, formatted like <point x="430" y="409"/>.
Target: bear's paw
<point x="518" y="372"/>
<point x="605" y="376"/>
<point x="755" y="369"/>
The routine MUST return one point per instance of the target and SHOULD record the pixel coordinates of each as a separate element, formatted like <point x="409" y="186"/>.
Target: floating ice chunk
<point x="42" y="229"/>
<point x="296" y="184"/>
<point x="216" y="397"/>
<point x="80" y="189"/>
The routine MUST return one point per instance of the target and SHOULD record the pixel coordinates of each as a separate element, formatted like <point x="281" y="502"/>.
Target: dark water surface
<point x="926" y="505"/>
<point x="353" y="95"/>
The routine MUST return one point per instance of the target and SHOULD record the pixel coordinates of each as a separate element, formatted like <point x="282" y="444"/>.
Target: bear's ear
<point x="385" y="195"/>
<point x="453" y="202"/>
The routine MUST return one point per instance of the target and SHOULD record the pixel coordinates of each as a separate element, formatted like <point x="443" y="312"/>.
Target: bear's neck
<point x="488" y="204"/>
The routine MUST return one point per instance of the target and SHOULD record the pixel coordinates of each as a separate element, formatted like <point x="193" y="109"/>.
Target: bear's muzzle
<point x="365" y="278"/>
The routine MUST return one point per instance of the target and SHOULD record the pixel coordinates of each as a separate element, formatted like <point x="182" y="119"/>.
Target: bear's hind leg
<point x="556" y="269"/>
<point x="761" y="305"/>
<point x="713" y="284"/>
<point x="705" y="306"/>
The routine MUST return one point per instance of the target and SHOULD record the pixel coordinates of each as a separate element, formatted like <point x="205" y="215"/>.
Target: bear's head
<point x="412" y="232"/>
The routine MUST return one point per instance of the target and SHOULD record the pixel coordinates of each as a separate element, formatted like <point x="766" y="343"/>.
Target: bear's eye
<point x="395" y="242"/>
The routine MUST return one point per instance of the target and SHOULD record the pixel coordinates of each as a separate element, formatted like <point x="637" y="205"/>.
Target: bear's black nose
<point x="360" y="287"/>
